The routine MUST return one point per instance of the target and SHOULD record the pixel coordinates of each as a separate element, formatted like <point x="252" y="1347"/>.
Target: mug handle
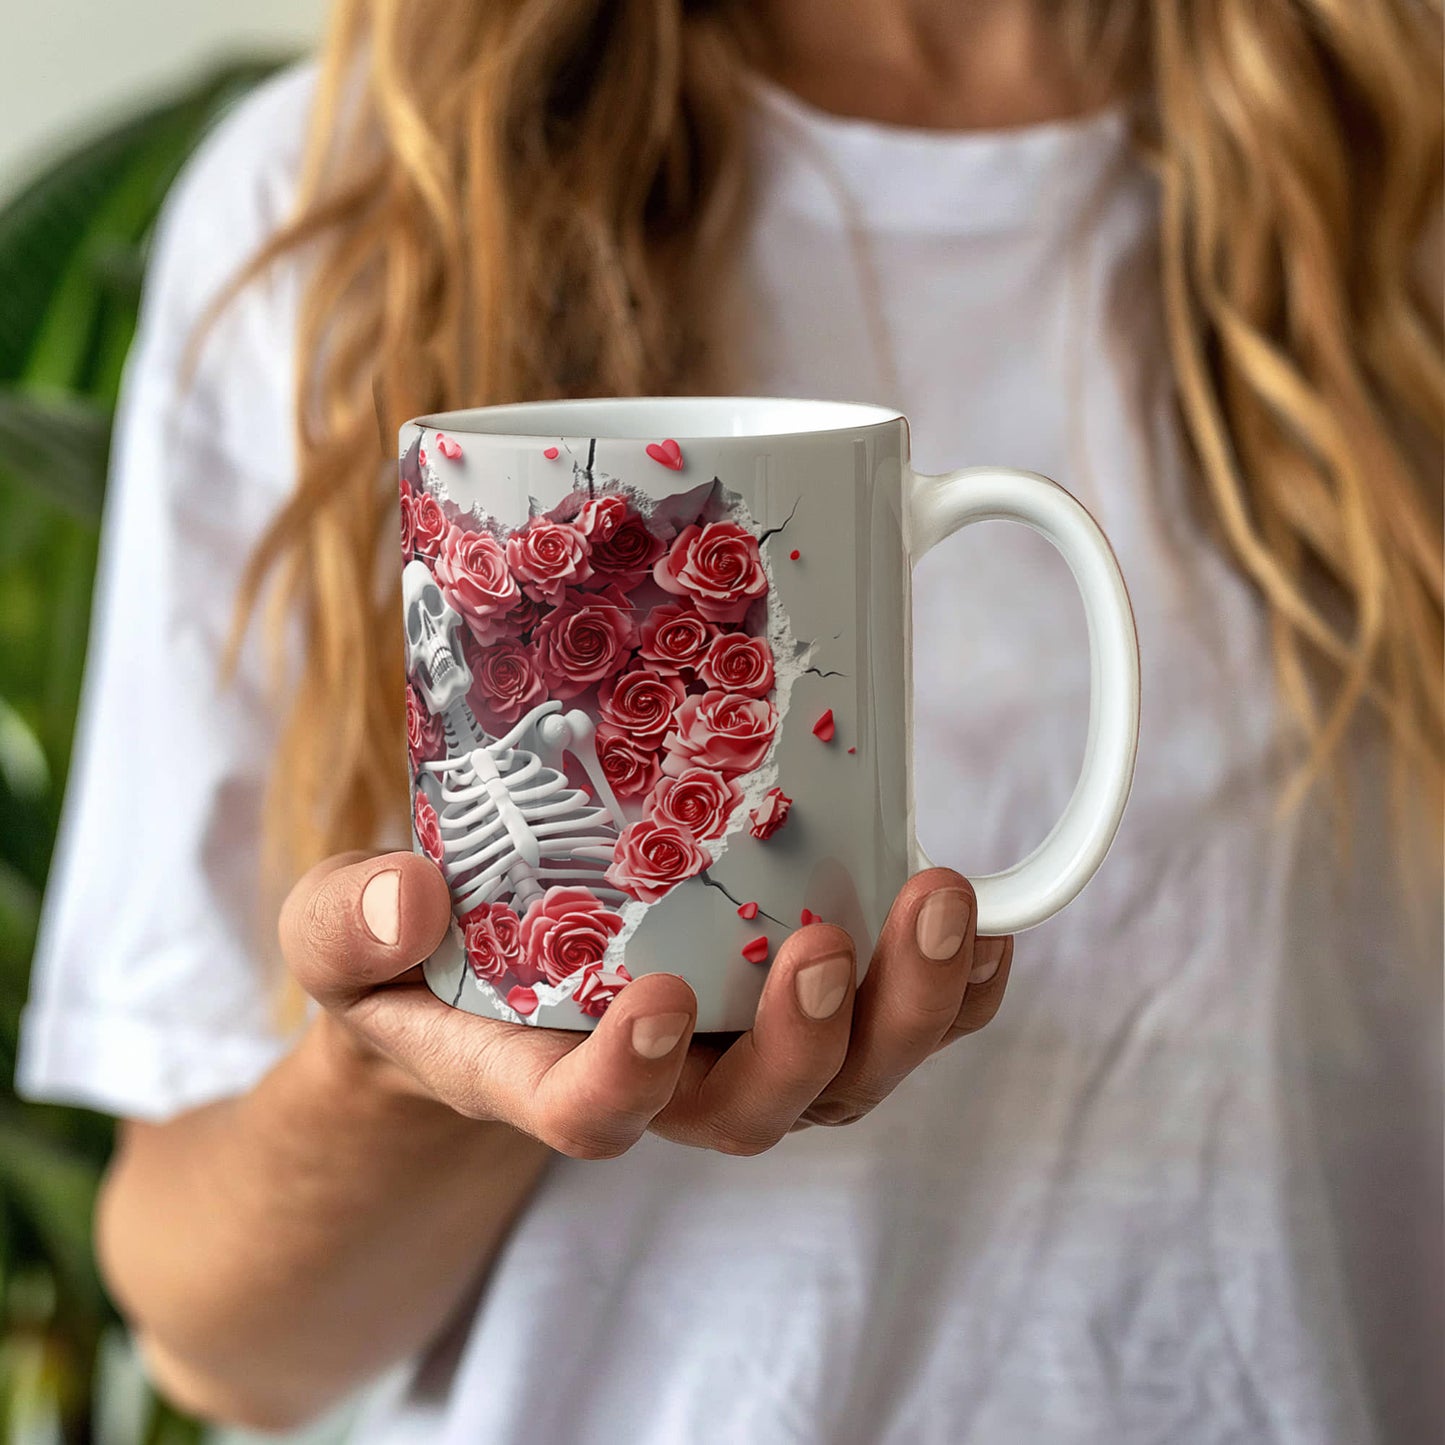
<point x="1054" y="873"/>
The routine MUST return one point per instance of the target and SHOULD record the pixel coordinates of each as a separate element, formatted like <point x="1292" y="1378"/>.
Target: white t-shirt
<point x="1186" y="1188"/>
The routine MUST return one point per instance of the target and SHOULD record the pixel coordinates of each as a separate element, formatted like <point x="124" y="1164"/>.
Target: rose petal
<point x="748" y="911"/>
<point x="667" y="454"/>
<point x="522" y="999"/>
<point x="823" y="729"/>
<point x="755" y="950"/>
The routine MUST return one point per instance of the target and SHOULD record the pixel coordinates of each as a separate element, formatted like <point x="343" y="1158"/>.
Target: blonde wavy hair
<point x="543" y="214"/>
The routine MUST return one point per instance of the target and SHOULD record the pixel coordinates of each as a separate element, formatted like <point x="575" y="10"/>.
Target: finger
<point x="746" y="1099"/>
<point x="910" y="995"/>
<point x="599" y="1099"/>
<point x="587" y="1095"/>
<point x="992" y="959"/>
<point x="353" y="922"/>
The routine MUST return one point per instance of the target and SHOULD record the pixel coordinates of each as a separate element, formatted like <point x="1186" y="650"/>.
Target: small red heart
<point x="756" y="950"/>
<point x="823" y="729"/>
<point x="748" y="911"/>
<point x="551" y="453"/>
<point x="523" y="999"/>
<point x="451" y="450"/>
<point x="666" y="453"/>
<point x="808" y="916"/>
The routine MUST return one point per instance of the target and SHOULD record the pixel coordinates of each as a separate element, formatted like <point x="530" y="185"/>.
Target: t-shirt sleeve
<point x="148" y="994"/>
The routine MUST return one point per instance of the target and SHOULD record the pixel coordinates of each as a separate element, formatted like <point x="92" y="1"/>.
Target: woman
<point x="1188" y="1188"/>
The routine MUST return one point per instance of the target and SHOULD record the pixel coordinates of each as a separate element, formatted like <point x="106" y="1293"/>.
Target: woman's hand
<point x="824" y="1049"/>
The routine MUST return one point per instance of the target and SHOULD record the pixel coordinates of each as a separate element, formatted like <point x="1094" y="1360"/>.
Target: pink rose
<point x="408" y="523"/>
<point x="585" y="639"/>
<point x="598" y="987"/>
<point x="600" y="517"/>
<point x="674" y="637"/>
<point x="718" y="566"/>
<point x="546" y="557"/>
<point x="642" y="703"/>
<point x="425" y="738"/>
<point x="624" y="547"/>
<point x="428" y="828"/>
<point x="567" y="929"/>
<point x="652" y="858"/>
<point x="720" y="730"/>
<point x="698" y="800"/>
<point x="770" y="814"/>
<point x="473" y="573"/>
<point x="428" y="524"/>
<point x="739" y="663"/>
<point x="630" y="769"/>
<point x="492" y="937"/>
<point x="506" y="676"/>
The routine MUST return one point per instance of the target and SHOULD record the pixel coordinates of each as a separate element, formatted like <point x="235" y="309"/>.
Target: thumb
<point x="354" y="922"/>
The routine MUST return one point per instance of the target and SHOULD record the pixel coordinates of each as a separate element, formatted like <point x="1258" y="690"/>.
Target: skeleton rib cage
<point x="511" y="823"/>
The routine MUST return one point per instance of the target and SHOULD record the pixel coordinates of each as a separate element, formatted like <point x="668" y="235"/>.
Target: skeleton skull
<point x="433" y="657"/>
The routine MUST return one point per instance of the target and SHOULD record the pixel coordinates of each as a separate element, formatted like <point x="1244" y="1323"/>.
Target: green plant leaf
<point x="57" y="444"/>
<point x="53" y="1190"/>
<point x="47" y="223"/>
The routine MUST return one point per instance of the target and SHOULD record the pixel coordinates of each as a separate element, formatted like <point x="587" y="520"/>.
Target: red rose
<point x="424" y="735"/>
<point x="739" y="663"/>
<point x="770" y="814"/>
<point x="492" y="937"/>
<point x="721" y="730"/>
<point x="585" y="639"/>
<point x="428" y="828"/>
<point x="718" y="566"/>
<point x="567" y="929"/>
<point x="506" y="676"/>
<point x="428" y="524"/>
<point x="675" y="636"/>
<point x="624" y="547"/>
<point x="640" y="702"/>
<point x="473" y="573"/>
<point x="408" y="523"/>
<point x="652" y="858"/>
<point x="598" y="987"/>
<point x="546" y="557"/>
<point x="699" y="800"/>
<point x="629" y="768"/>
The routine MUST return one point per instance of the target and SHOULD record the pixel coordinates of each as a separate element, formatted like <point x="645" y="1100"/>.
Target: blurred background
<point x="102" y="103"/>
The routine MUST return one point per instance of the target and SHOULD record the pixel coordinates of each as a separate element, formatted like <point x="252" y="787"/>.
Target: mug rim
<point x="749" y="417"/>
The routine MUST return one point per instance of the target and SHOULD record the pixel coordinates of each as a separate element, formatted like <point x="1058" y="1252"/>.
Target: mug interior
<point x="646" y="418"/>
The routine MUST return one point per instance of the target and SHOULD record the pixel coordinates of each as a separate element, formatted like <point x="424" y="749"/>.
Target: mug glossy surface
<point x="660" y="690"/>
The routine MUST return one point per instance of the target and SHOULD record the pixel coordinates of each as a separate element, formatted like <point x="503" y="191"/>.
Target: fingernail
<point x="942" y="923"/>
<point x="987" y="955"/>
<point x="656" y="1037"/>
<point x="822" y="986"/>
<point x="381" y="906"/>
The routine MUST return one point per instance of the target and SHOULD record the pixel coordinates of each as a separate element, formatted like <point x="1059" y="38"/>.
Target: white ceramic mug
<point x="660" y="706"/>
